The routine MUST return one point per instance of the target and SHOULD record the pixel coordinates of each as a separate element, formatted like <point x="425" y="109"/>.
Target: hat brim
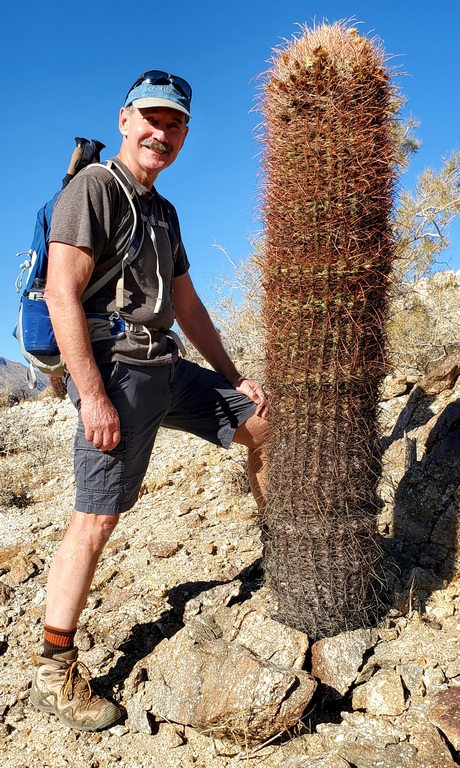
<point x="152" y="101"/>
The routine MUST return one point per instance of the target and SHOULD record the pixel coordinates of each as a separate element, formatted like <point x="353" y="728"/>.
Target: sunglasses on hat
<point x="157" y="77"/>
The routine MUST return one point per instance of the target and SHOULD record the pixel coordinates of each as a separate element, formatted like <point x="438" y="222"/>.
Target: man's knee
<point x="95" y="529"/>
<point x="252" y="433"/>
<point x="106" y="524"/>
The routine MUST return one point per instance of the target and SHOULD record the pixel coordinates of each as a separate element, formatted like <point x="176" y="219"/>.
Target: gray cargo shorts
<point x="181" y="396"/>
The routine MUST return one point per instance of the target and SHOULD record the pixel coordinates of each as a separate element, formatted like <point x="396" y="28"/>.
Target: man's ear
<point x="185" y="135"/>
<point x="123" y="121"/>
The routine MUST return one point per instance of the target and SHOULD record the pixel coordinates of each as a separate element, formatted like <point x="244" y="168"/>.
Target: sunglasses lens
<point x="182" y="86"/>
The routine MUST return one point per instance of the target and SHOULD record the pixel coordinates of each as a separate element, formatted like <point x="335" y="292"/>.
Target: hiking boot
<point x="59" y="688"/>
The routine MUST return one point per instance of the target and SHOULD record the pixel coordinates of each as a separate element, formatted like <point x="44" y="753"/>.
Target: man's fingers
<point x="102" y="424"/>
<point x="108" y="442"/>
<point x="262" y="410"/>
<point x="104" y="439"/>
<point x="111" y="441"/>
<point x="255" y="391"/>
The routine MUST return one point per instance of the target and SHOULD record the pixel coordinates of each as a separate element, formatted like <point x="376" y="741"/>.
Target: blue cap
<point x="156" y="95"/>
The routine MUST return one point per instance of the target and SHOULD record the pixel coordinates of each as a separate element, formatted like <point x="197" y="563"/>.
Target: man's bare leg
<point x="73" y="567"/>
<point x="253" y="433"/>
<point x="58" y="687"/>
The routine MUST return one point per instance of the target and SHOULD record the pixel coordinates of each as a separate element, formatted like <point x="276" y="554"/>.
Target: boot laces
<point x="77" y="683"/>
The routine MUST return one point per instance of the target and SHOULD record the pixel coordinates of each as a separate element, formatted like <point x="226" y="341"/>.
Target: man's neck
<point x="144" y="177"/>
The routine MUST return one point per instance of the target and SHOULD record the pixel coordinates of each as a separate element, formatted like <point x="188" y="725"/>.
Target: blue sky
<point x="65" y="68"/>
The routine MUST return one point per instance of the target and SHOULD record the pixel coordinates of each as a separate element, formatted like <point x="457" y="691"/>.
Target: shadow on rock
<point x="424" y="540"/>
<point x="144" y="638"/>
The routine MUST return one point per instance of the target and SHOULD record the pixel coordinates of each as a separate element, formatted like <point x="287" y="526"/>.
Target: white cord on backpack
<point x="150" y="222"/>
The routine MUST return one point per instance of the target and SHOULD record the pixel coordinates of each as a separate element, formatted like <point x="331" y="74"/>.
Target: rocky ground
<point x="188" y="554"/>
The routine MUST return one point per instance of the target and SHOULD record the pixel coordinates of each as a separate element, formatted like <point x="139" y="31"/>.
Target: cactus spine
<point x="328" y="165"/>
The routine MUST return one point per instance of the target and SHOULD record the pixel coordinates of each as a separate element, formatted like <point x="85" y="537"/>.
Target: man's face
<point x="153" y="137"/>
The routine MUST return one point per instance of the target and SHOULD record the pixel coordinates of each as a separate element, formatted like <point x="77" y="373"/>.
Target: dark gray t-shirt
<point x="93" y="212"/>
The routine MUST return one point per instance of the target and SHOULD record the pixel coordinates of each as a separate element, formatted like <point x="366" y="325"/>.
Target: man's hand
<point x="101" y="422"/>
<point x="254" y="391"/>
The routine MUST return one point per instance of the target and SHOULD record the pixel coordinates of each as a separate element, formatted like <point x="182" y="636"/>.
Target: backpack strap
<point x="135" y="244"/>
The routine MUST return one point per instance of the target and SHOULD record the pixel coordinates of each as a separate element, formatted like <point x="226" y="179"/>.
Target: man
<point x="128" y="384"/>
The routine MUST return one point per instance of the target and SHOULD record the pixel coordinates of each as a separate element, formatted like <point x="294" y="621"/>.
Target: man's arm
<point x="194" y="320"/>
<point x="69" y="270"/>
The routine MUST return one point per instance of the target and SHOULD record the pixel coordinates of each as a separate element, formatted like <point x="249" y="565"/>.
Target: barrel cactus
<point x="329" y="180"/>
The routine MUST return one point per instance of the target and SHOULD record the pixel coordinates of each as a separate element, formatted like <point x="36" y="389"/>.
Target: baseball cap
<point x="160" y="89"/>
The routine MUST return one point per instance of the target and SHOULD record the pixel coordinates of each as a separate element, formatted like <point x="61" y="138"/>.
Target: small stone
<point x="184" y="509"/>
<point x="21" y="571"/>
<point x="164" y="548"/>
<point x="366" y="755"/>
<point x="394" y="386"/>
<point x="162" y="590"/>
<point x="412" y="676"/>
<point x="84" y="640"/>
<point x="195" y="520"/>
<point x="382" y="695"/>
<point x="139" y="720"/>
<point x="170" y="736"/>
<point x="336" y="661"/>
<point x="212" y="599"/>
<point x="37" y="561"/>
<point x="113" y="599"/>
<point x="117" y="545"/>
<point x="432" y="749"/>
<point x="5" y="730"/>
<point x="433" y="679"/>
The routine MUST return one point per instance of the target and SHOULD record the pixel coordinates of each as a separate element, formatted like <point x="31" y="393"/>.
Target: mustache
<point x="157" y="146"/>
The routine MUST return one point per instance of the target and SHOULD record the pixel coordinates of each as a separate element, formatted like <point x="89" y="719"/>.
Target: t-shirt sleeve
<point x="82" y="214"/>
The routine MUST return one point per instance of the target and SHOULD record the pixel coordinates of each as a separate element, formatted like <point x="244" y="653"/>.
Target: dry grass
<point x="28" y="455"/>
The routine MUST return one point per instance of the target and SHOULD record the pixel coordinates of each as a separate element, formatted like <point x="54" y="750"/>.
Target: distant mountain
<point x="13" y="379"/>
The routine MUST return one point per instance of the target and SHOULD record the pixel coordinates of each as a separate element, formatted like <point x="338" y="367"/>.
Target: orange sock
<point x="57" y="640"/>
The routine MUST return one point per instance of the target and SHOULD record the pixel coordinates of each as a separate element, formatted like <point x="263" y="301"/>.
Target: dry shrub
<point x="236" y="312"/>
<point x="56" y="389"/>
<point x="328" y="162"/>
<point x="424" y="324"/>
<point x="28" y="451"/>
<point x="12" y="431"/>
<point x="19" y="435"/>
<point x="4" y="398"/>
<point x="15" y="487"/>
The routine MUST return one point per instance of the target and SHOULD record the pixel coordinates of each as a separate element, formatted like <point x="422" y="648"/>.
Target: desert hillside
<point x="181" y="577"/>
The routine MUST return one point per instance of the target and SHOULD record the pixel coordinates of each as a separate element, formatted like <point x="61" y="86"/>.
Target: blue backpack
<point x="34" y="330"/>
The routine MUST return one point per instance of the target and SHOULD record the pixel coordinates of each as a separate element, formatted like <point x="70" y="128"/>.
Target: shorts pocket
<point x="101" y="472"/>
